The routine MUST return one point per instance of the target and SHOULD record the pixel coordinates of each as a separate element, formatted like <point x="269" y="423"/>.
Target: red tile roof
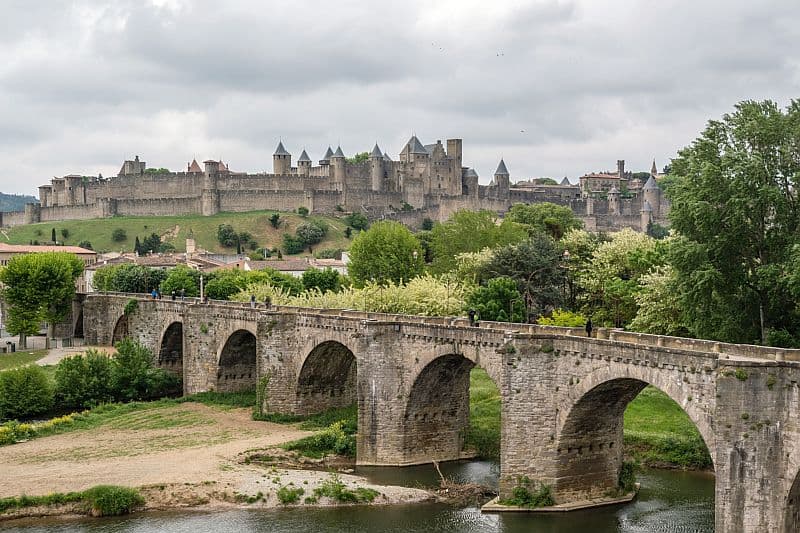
<point x="27" y="249"/>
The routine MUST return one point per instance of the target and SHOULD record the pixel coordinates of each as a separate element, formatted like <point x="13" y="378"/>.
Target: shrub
<point x="287" y="495"/>
<point x="83" y="381"/>
<point x="357" y="221"/>
<point x="427" y="224"/>
<point x="275" y="220"/>
<point x="310" y="233"/>
<point x="562" y="317"/>
<point x="338" y="438"/>
<point x="111" y="500"/>
<point x="86" y="245"/>
<point x="524" y="496"/>
<point x="133" y="376"/>
<point x="293" y="244"/>
<point x="627" y="476"/>
<point x="302" y="211"/>
<point x="24" y="392"/>
<point x="335" y="489"/>
<point x="226" y="235"/>
<point x="119" y="235"/>
<point x="64" y="233"/>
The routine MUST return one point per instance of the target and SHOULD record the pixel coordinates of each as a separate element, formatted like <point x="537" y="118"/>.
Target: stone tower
<point x="337" y="168"/>
<point x="613" y="201"/>
<point x="304" y="164"/>
<point x="621" y="168"/>
<point x="376" y="168"/>
<point x="281" y="160"/>
<point x="647" y="215"/>
<point x="326" y="159"/>
<point x="502" y="180"/>
<point x="470" y="182"/>
<point x="209" y="199"/>
<point x="651" y="193"/>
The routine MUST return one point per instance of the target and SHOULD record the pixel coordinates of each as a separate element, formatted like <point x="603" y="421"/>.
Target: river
<point x="669" y="502"/>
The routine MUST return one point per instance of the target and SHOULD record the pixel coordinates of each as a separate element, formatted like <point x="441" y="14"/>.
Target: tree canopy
<point x="387" y="251"/>
<point x="554" y="219"/>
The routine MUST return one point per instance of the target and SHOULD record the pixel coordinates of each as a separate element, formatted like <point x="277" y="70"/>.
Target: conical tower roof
<point x="654" y="169"/>
<point x="194" y="167"/>
<point x="650" y="185"/>
<point x="328" y="154"/>
<point x="470" y="173"/>
<point x="565" y="181"/>
<point x="338" y="152"/>
<point x="376" y="152"/>
<point x="386" y="157"/>
<point x="501" y="169"/>
<point x="280" y="150"/>
<point x="415" y="147"/>
<point x="304" y="157"/>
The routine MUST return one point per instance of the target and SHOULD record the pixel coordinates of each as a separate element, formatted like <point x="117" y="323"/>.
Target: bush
<point x="111" y="500"/>
<point x="64" y="233"/>
<point x="287" y="495"/>
<point x="83" y="381"/>
<point x="24" y="392"/>
<point x="357" y="221"/>
<point x="134" y="378"/>
<point x="292" y="244"/>
<point x="338" y="438"/>
<point x="302" y="211"/>
<point x="119" y="235"/>
<point x="226" y="235"/>
<point x="563" y="318"/>
<point x="627" y="477"/>
<point x="427" y="224"/>
<point x="86" y="245"/>
<point x="310" y="233"/>
<point x="275" y="220"/>
<point x="524" y="496"/>
<point x="322" y="280"/>
<point x="335" y="489"/>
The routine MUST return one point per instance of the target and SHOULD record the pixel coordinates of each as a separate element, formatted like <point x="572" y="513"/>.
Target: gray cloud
<point x="556" y="87"/>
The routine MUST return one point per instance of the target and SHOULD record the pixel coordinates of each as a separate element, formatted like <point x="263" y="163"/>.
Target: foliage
<point x="499" y="301"/>
<point x="470" y="231"/>
<point x="329" y="253"/>
<point x="130" y="306"/>
<point x="483" y="434"/>
<point x="86" y="245"/>
<point x="293" y="244"/>
<point x="357" y="220"/>
<point x="152" y="244"/>
<point x="659" y="312"/>
<point x="227" y="236"/>
<point x="427" y="224"/>
<point x="65" y="233"/>
<point x="563" y="318"/>
<point x="627" y="476"/>
<point x="128" y="278"/>
<point x="102" y="500"/>
<point x="83" y="381"/>
<point x="119" y="235"/>
<point x="535" y="265"/>
<point x="38" y="287"/>
<point x="358" y="158"/>
<point x="338" y="438"/>
<point x="310" y="233"/>
<point x="302" y="211"/>
<point x="275" y="220"/>
<point x="133" y="376"/>
<point x="322" y="280"/>
<point x="525" y="494"/>
<point x="556" y="220"/>
<point x="24" y="392"/>
<point x="387" y="251"/>
<point x="473" y="267"/>
<point x="335" y="489"/>
<point x="12" y="431"/>
<point x="735" y="206"/>
<point x="287" y="494"/>
<point x="182" y="278"/>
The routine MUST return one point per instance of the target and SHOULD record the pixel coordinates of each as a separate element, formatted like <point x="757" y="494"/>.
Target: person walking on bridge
<point x="589" y="327"/>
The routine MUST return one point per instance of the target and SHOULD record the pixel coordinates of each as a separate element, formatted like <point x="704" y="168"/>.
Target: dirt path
<point x="201" y="444"/>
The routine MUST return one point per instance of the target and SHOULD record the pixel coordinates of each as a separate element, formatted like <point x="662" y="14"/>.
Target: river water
<point x="669" y="502"/>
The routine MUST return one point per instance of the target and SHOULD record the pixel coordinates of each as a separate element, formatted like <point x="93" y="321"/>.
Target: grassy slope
<point x="657" y="431"/>
<point x="13" y="360"/>
<point x="176" y="229"/>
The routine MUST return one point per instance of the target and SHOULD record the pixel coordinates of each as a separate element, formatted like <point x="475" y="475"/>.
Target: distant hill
<point x="15" y="202"/>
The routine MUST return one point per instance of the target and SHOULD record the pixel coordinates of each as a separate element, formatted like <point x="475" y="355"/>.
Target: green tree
<point x="53" y="235"/>
<point x="309" y="233"/>
<point x="358" y="158"/>
<point x="128" y="278"/>
<point x="322" y="280"/>
<point x="499" y="300"/>
<point x="470" y="231"/>
<point x="736" y="207"/>
<point x="292" y="244"/>
<point x="64" y="233"/>
<point x="151" y="243"/>
<point x="536" y="266"/>
<point x="119" y="235"/>
<point x="24" y="392"/>
<point x="302" y="211"/>
<point x="85" y="244"/>
<point x="386" y="251"/>
<point x="227" y="236"/>
<point x="275" y="220"/>
<point x="357" y="221"/>
<point x="83" y="381"/>
<point x="659" y="313"/>
<point x="133" y="376"/>
<point x="39" y="288"/>
<point x="182" y="277"/>
<point x="545" y="216"/>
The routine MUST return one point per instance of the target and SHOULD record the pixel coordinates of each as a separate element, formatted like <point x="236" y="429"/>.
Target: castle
<point x="426" y="181"/>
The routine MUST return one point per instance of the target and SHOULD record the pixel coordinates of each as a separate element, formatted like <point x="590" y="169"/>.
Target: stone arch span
<point x="120" y="329"/>
<point x="792" y="514"/>
<point x="237" y="362"/>
<point x="589" y="449"/>
<point x="170" y="353"/>
<point x="327" y="379"/>
<point x="436" y="416"/>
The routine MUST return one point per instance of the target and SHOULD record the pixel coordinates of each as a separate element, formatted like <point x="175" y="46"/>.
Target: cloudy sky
<point x="555" y="87"/>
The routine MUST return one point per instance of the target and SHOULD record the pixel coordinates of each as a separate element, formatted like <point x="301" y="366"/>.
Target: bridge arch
<point x="120" y="329"/>
<point x="237" y="362"/>
<point x="792" y="514"/>
<point x="327" y="378"/>
<point x="170" y="353"/>
<point x="436" y="416"/>
<point x="589" y="443"/>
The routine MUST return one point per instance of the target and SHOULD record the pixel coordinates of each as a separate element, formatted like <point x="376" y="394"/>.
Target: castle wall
<point x="68" y="212"/>
<point x="12" y="218"/>
<point x="157" y="206"/>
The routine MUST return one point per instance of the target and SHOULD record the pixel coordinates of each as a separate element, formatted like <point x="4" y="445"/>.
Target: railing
<point x="724" y="350"/>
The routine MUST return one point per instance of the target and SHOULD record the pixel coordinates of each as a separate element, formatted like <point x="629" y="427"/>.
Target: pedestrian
<point x="183" y="295"/>
<point x="267" y="302"/>
<point x="158" y="292"/>
<point x="205" y="299"/>
<point x="589" y="327"/>
<point x="154" y="294"/>
<point x="252" y="301"/>
<point x="173" y="295"/>
<point x="471" y="314"/>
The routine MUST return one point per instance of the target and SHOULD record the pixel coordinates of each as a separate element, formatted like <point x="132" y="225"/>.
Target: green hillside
<point x="175" y="230"/>
<point x="15" y="202"/>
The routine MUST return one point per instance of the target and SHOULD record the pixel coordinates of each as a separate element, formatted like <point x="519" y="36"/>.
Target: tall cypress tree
<point x="137" y="246"/>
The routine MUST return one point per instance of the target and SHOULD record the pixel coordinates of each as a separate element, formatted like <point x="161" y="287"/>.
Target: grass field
<point x="175" y="230"/>
<point x="657" y="431"/>
<point x="13" y="360"/>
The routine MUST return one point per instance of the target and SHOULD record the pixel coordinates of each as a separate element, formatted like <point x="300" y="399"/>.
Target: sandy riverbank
<point x="195" y="460"/>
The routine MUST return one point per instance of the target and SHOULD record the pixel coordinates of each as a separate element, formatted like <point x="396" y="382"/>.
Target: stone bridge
<point x="563" y="394"/>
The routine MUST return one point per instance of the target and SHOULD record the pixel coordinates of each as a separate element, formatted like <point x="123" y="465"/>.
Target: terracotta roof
<point x="27" y="249"/>
<point x="601" y="175"/>
<point x="194" y="167"/>
<point x="156" y="260"/>
<point x="282" y="265"/>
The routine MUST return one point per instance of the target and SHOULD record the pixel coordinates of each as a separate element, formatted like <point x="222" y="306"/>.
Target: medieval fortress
<point x="426" y="181"/>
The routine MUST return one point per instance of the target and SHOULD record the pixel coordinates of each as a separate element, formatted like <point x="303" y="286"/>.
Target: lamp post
<point x="201" y="287"/>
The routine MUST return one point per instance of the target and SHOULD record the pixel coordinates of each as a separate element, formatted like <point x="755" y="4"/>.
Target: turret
<point x="376" y="168"/>
<point x="651" y="193"/>
<point x="621" y="168"/>
<point x="304" y="164"/>
<point x="454" y="151"/>
<point x="281" y="160"/>
<point x="502" y="180"/>
<point x="647" y="215"/>
<point x="337" y="166"/>
<point x="654" y="169"/>
<point x="326" y="159"/>
<point x="613" y="201"/>
<point x="470" y="183"/>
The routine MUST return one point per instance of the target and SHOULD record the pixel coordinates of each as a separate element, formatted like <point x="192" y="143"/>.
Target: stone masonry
<point x="563" y="395"/>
